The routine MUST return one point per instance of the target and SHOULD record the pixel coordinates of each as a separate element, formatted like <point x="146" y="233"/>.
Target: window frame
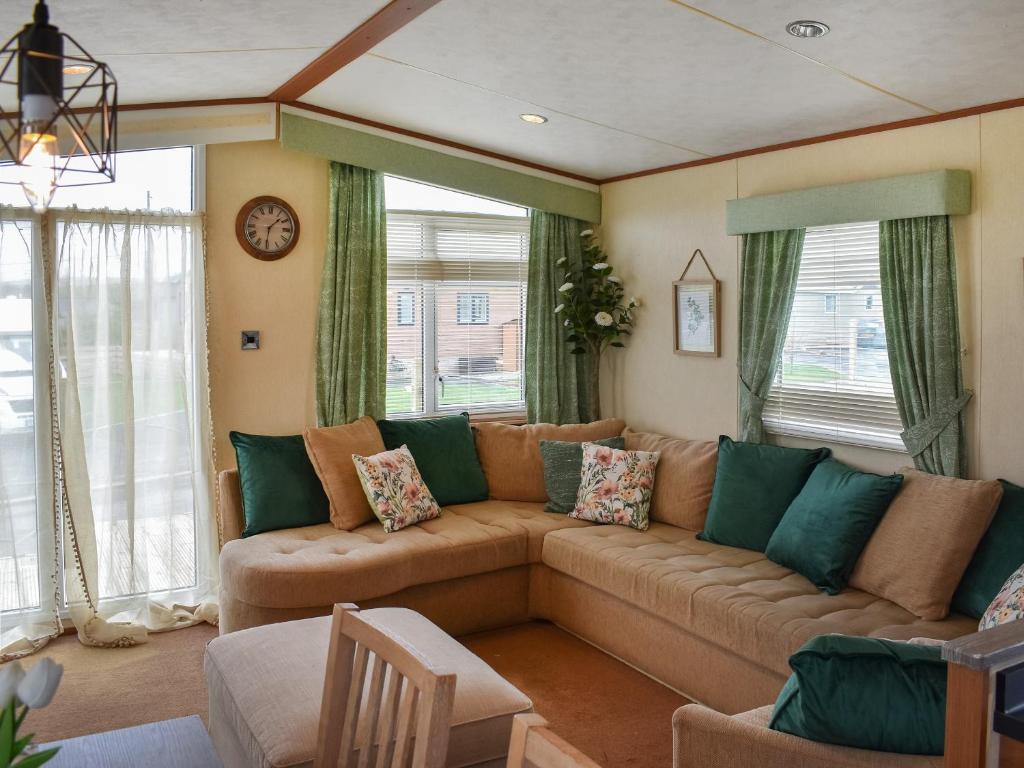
<point x="431" y="386"/>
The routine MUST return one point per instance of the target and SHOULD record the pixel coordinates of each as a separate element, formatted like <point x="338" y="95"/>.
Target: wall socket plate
<point x="250" y="339"/>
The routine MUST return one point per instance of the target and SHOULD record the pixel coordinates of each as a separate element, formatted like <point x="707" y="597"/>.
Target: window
<point x="462" y="259"/>
<point x="143" y="508"/>
<point x="405" y="308"/>
<point x="833" y="380"/>
<point x="473" y="309"/>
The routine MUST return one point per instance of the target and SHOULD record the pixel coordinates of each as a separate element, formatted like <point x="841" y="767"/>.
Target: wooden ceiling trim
<point x="384" y="23"/>
<point x="955" y="114"/>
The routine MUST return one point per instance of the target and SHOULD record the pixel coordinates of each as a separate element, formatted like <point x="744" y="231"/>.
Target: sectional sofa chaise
<point x="714" y="622"/>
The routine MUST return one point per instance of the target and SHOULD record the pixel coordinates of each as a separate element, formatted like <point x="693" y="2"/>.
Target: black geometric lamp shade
<point x="58" y="112"/>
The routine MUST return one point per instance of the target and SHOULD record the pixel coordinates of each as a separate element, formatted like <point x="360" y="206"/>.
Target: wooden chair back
<point x="533" y="745"/>
<point x="401" y="717"/>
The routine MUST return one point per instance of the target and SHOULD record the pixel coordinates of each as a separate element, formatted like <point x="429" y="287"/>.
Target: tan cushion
<point x="526" y="517"/>
<point x="319" y="565"/>
<point x="510" y="455"/>
<point x="735" y="598"/>
<point x="920" y="550"/>
<point x="266" y="685"/>
<point x="331" y="449"/>
<point x="684" y="480"/>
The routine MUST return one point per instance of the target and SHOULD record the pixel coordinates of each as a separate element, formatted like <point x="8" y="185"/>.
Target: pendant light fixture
<point x="58" y="112"/>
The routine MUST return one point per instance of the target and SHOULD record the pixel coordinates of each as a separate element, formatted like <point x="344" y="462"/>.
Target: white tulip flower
<point x="559" y="308"/>
<point x="36" y="689"/>
<point x="586" y="233"/>
<point x="603" y="319"/>
<point x="601" y="265"/>
<point x="565" y="288"/>
<point x="613" y="279"/>
<point x="10" y="676"/>
<point x="567" y="323"/>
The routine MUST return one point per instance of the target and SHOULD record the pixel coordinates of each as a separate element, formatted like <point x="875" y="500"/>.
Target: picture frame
<point x="696" y="312"/>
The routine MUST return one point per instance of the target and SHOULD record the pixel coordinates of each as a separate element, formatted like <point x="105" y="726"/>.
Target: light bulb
<point x="38" y="153"/>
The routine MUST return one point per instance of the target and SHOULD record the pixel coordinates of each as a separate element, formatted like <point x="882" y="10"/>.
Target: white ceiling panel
<point x="411" y="98"/>
<point x="947" y="54"/>
<point x="651" y="67"/>
<point x="199" y="49"/>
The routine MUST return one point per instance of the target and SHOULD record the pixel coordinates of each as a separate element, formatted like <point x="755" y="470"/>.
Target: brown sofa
<point x="716" y="623"/>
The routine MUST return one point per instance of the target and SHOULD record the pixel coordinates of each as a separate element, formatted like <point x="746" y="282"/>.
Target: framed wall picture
<point x="696" y="312"/>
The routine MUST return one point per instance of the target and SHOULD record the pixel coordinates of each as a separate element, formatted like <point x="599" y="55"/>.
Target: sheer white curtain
<point x="128" y="298"/>
<point x="29" y="593"/>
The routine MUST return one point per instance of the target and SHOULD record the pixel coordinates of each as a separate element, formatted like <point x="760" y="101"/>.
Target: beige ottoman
<point x="265" y="685"/>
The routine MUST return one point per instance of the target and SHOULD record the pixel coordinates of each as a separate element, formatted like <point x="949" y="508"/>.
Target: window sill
<point x="829" y="435"/>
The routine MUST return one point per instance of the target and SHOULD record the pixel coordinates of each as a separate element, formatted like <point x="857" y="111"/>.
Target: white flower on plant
<point x="634" y="301"/>
<point x="559" y="308"/>
<point x="603" y="319"/>
<point x="10" y="676"/>
<point x="567" y="323"/>
<point x="561" y="261"/>
<point x="36" y="689"/>
<point x="601" y="265"/>
<point x="613" y="279"/>
<point x="586" y="233"/>
<point x="565" y="287"/>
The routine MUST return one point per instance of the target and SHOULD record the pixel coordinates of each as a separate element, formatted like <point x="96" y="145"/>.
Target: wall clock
<point x="267" y="228"/>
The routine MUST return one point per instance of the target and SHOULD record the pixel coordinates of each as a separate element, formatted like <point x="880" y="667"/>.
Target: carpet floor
<point x="613" y="713"/>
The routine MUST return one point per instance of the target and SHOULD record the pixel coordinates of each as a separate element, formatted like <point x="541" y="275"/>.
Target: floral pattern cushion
<point x="1009" y="603"/>
<point x="615" y="486"/>
<point x="395" y="490"/>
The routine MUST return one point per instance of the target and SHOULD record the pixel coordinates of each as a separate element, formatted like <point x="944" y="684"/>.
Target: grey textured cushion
<point x="563" y="463"/>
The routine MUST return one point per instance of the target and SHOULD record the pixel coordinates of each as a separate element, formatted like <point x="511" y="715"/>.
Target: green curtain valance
<point x="935" y="193"/>
<point x="378" y="153"/>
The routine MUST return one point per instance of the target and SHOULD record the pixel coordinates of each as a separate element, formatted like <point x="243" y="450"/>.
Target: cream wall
<point x="269" y="390"/>
<point x="652" y="224"/>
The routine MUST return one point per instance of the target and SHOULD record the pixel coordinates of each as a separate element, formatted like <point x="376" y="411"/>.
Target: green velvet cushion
<point x="563" y="467"/>
<point x="280" y="488"/>
<point x="445" y="455"/>
<point x="830" y="521"/>
<point x="1000" y="553"/>
<point x="867" y="693"/>
<point x="754" y="486"/>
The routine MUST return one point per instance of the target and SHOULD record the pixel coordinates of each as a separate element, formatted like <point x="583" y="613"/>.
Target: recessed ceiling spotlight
<point x="807" y="28"/>
<point x="534" y="119"/>
<point x="78" y="69"/>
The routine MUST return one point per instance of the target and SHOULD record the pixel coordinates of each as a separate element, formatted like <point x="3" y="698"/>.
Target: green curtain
<point x="351" y="332"/>
<point x="556" y="379"/>
<point x="922" y="331"/>
<point x="771" y="262"/>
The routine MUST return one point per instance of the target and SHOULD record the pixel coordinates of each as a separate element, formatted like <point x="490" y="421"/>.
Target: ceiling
<point x="627" y="85"/>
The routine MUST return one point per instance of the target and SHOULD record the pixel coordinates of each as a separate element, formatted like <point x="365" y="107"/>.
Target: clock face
<point x="267" y="228"/>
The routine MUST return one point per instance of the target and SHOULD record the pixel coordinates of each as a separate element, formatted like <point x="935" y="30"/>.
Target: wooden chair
<point x="534" y="746"/>
<point x="408" y="703"/>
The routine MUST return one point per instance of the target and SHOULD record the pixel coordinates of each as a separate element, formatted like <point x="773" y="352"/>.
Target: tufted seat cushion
<point x="736" y="598"/>
<point x="521" y="517"/>
<point x="321" y="565"/>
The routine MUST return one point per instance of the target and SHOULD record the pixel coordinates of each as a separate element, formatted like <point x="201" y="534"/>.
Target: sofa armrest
<point x="230" y="518"/>
<point x="704" y="738"/>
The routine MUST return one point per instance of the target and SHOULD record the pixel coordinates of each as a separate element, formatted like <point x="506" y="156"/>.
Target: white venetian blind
<point x="833" y="380"/>
<point x="467" y="277"/>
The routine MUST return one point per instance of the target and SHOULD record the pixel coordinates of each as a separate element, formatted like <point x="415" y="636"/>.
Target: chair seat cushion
<point x="266" y="684"/>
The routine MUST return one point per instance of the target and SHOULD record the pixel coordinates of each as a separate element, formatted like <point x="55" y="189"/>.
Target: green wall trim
<point x="934" y="193"/>
<point x="368" y="150"/>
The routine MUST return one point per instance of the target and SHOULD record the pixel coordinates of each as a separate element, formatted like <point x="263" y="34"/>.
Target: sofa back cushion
<point x="563" y="470"/>
<point x="920" y="550"/>
<point x="511" y="459"/>
<point x="1000" y="553"/>
<point x="754" y="485"/>
<point x="685" y="477"/>
<point x="331" y="450"/>
<point x="444" y="453"/>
